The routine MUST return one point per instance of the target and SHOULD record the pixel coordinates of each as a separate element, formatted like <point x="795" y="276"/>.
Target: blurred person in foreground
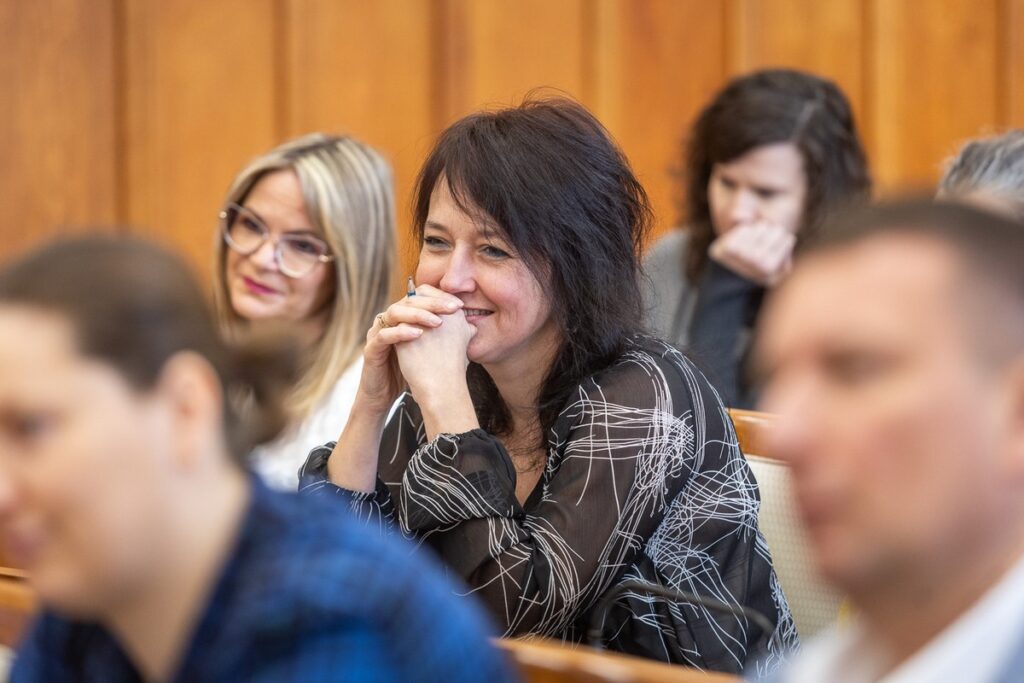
<point x="990" y="173"/>
<point x="154" y="554"/>
<point x="894" y="356"/>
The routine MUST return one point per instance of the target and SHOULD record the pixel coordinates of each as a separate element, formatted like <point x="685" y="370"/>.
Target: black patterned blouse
<point x="644" y="480"/>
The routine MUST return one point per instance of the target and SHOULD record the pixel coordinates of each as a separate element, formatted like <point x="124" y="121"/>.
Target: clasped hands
<point x="420" y="341"/>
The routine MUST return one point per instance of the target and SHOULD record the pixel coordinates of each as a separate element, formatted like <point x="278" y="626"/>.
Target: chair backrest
<point x="815" y="605"/>
<point x="541" y="660"/>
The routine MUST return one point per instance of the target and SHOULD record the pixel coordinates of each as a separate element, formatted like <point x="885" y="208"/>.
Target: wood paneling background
<point x="135" y="114"/>
<point x="59" y="119"/>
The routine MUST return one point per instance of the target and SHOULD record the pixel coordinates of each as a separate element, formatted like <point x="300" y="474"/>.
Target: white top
<point x="278" y="462"/>
<point x="6" y="661"/>
<point x="976" y="647"/>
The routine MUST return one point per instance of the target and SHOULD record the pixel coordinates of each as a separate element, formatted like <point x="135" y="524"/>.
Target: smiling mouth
<point x="476" y="312"/>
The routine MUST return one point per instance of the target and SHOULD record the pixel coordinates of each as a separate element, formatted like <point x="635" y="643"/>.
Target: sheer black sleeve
<point x="644" y="479"/>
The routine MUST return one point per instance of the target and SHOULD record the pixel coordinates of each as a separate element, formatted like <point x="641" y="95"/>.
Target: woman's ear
<point x="191" y="389"/>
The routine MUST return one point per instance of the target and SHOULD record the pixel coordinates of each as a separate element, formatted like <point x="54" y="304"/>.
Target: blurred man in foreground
<point x="895" y="357"/>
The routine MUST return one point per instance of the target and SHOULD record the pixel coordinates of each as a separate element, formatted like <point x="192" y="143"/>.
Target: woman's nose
<point x="743" y="209"/>
<point x="266" y="256"/>
<point x="459" y="274"/>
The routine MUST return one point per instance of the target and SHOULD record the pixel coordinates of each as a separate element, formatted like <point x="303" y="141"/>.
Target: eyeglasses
<point x="296" y="255"/>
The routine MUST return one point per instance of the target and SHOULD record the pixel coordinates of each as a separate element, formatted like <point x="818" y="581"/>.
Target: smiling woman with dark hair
<point x="545" y="449"/>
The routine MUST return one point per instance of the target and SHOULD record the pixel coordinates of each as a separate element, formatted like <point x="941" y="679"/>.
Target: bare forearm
<point x="447" y="409"/>
<point x="353" y="462"/>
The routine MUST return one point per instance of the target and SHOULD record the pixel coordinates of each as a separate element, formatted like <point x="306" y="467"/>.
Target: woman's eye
<point x="306" y="247"/>
<point x="251" y="225"/>
<point x="434" y="243"/>
<point x="767" y="194"/>
<point x="490" y="251"/>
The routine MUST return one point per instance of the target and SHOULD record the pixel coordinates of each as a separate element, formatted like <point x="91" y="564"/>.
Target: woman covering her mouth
<point x="544" y="448"/>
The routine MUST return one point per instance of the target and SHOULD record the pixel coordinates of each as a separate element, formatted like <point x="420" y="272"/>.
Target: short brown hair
<point x="988" y="246"/>
<point x="133" y="306"/>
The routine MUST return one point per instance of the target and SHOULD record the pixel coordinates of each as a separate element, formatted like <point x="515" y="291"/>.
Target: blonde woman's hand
<point x="404" y="321"/>
<point x="761" y="252"/>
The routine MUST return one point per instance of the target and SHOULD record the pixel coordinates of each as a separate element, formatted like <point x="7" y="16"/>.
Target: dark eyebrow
<point x="487" y="231"/>
<point x="434" y="225"/>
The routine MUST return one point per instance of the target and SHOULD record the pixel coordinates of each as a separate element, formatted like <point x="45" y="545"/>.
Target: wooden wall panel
<point x="495" y="51"/>
<point x="57" y="105"/>
<point x="657" y="62"/>
<point x="200" y="87"/>
<point x="141" y="111"/>
<point x="827" y="38"/>
<point x="365" y="69"/>
<point x="1013" y="68"/>
<point x="934" y="78"/>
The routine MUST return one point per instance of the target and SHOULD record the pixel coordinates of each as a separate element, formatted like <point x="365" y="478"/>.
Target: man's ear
<point x="1013" y="378"/>
<point x="190" y="387"/>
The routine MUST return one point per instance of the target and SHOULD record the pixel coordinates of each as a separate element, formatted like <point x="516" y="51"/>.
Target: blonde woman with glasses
<point x="307" y="242"/>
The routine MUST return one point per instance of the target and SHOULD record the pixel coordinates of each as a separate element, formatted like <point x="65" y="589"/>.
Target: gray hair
<point x="991" y="166"/>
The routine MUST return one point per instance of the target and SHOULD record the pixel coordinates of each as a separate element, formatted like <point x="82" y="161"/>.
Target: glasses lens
<point x="243" y="231"/>
<point x="300" y="255"/>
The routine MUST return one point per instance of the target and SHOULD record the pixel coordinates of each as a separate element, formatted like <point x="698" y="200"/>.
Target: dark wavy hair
<point x="133" y="305"/>
<point x="763" y="108"/>
<point x="558" y="189"/>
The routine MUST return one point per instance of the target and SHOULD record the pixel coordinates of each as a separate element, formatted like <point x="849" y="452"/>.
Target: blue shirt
<point x="308" y="594"/>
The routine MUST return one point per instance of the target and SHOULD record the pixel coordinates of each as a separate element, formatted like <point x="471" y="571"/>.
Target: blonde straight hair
<point x="348" y="189"/>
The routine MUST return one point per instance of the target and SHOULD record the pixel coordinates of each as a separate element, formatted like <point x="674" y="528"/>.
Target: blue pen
<point x="410" y="287"/>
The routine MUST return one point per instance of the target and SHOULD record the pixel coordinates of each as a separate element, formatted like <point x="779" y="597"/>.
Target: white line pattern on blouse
<point x="682" y="496"/>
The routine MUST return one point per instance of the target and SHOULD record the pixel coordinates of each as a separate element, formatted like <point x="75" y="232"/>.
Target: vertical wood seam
<point x="283" y="115"/>
<point x="119" y="36"/>
<point x="588" y="58"/>
<point x="728" y="10"/>
<point x="442" y="58"/>
<point x="868" y="94"/>
<point x="1004" y="84"/>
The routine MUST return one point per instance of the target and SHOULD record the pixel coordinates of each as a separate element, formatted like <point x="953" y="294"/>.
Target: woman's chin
<point x="475" y="352"/>
<point x="255" y="311"/>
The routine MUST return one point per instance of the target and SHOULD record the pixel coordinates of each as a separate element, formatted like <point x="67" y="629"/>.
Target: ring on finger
<point x="383" y="321"/>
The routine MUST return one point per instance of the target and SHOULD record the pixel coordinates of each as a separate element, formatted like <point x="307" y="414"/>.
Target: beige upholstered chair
<point x="814" y="604"/>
